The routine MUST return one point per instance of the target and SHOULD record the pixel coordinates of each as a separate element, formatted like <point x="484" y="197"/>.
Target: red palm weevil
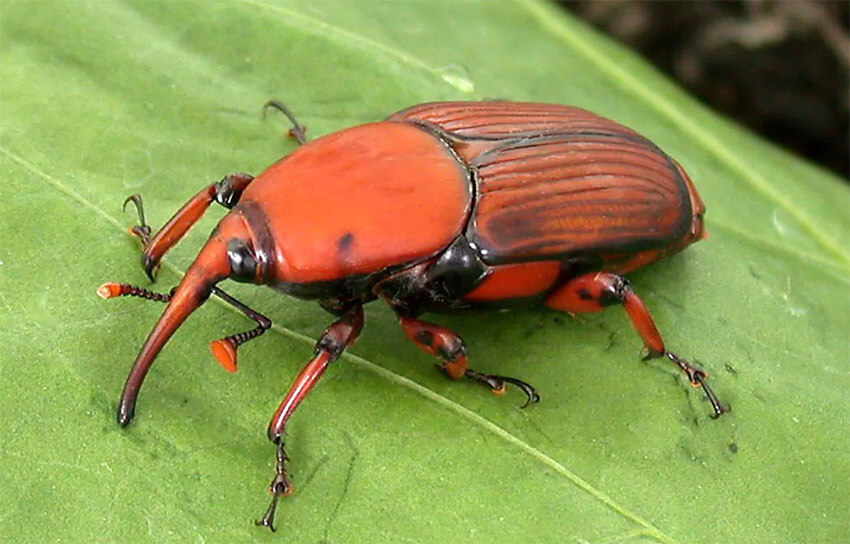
<point x="442" y="206"/>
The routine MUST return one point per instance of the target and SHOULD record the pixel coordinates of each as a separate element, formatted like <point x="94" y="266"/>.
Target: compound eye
<point x="243" y="264"/>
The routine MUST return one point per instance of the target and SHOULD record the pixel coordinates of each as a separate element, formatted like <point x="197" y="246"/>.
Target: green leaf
<point x="103" y="99"/>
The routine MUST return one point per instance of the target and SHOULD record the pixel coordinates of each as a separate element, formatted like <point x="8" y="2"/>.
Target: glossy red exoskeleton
<point x="442" y="206"/>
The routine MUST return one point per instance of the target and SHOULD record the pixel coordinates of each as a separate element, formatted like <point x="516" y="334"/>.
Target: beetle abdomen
<point x="575" y="194"/>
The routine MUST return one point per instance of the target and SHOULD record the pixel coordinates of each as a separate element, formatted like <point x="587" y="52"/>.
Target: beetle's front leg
<point x="223" y="349"/>
<point x="341" y="334"/>
<point x="226" y="192"/>
<point x="594" y="291"/>
<point x="443" y="343"/>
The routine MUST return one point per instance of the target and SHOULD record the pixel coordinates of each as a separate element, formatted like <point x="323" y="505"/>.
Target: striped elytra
<point x="554" y="180"/>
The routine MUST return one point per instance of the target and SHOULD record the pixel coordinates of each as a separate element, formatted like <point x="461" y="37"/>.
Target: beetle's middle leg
<point x="594" y="291"/>
<point x="437" y="285"/>
<point x="443" y="343"/>
<point x="341" y="334"/>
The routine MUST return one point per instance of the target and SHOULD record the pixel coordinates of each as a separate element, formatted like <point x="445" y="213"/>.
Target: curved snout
<point x="210" y="267"/>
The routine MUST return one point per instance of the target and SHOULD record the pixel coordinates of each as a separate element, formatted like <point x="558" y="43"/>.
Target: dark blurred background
<point x="781" y="68"/>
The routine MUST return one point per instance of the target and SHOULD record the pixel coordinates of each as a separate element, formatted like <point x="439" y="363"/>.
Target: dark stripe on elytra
<point x="552" y="249"/>
<point x="570" y="149"/>
<point x="551" y="167"/>
<point x="628" y="140"/>
<point x="523" y="201"/>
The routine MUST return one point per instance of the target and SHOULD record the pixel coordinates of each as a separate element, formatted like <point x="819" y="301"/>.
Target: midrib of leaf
<point x="553" y="22"/>
<point x="648" y="529"/>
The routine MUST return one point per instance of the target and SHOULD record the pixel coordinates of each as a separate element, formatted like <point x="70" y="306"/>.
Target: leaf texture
<point x="103" y="99"/>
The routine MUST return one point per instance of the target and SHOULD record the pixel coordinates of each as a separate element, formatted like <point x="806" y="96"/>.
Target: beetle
<point x="441" y="206"/>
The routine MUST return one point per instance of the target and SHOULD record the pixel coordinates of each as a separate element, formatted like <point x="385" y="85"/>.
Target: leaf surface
<point x="103" y="99"/>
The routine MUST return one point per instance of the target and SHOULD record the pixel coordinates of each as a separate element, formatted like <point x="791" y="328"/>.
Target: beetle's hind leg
<point x="298" y="131"/>
<point x="448" y="346"/>
<point x="594" y="291"/>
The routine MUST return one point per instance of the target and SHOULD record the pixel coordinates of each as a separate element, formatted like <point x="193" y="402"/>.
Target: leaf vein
<point x="817" y="263"/>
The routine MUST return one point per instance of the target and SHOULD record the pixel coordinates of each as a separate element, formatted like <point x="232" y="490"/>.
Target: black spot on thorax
<point x="345" y="241"/>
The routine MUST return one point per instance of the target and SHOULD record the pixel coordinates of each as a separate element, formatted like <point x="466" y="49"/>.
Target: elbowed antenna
<point x="210" y="267"/>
